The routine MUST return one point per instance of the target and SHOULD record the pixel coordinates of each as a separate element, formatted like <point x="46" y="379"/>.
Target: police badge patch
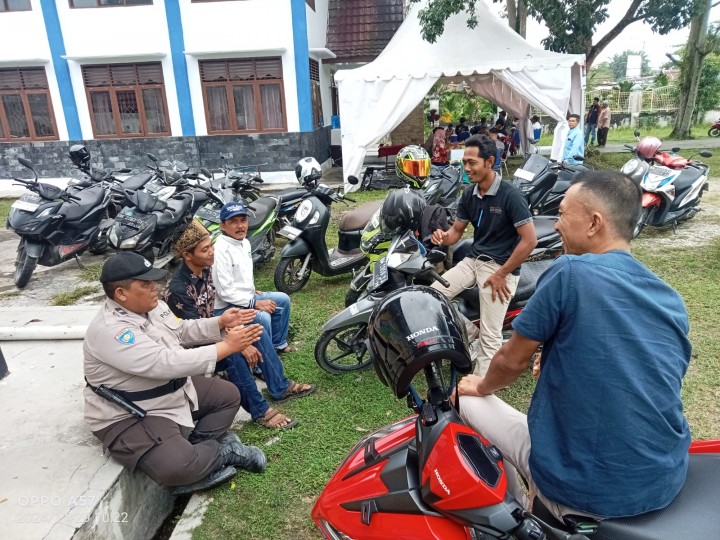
<point x="126" y="337"/>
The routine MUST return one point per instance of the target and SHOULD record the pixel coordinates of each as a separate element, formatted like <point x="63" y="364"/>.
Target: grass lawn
<point x="277" y="504"/>
<point x="626" y="134"/>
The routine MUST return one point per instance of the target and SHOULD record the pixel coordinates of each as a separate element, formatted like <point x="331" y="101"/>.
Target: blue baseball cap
<point x="232" y="209"/>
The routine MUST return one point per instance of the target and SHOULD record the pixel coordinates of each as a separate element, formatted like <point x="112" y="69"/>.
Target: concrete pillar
<point x="636" y="95"/>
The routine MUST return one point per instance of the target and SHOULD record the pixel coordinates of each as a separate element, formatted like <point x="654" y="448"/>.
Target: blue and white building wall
<point x="178" y="34"/>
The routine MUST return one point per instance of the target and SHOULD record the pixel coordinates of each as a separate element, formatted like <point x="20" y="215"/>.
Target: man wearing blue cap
<point x="234" y="282"/>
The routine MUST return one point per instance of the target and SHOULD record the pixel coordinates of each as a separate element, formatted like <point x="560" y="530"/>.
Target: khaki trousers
<point x="468" y="273"/>
<point x="507" y="429"/>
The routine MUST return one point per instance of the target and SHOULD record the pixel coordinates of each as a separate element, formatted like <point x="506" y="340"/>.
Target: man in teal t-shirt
<point x="605" y="434"/>
<point x="575" y="145"/>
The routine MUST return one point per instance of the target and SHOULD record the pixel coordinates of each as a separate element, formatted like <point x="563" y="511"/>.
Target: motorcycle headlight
<point x="45" y="212"/>
<point x="396" y="259"/>
<point x="303" y="211"/>
<point x="315" y="218"/>
<point x="131" y="242"/>
<point x="630" y="167"/>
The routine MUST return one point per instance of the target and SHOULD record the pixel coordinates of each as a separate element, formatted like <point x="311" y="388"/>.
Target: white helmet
<point x="308" y="170"/>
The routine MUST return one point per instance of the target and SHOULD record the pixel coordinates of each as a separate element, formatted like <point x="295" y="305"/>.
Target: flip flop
<point x="295" y="390"/>
<point x="287" y="349"/>
<point x="265" y="420"/>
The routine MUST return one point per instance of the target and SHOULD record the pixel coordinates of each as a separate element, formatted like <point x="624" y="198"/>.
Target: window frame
<point x="8" y="10"/>
<point x="138" y="89"/>
<point x="98" y="5"/>
<point x="23" y="93"/>
<point x="257" y="99"/>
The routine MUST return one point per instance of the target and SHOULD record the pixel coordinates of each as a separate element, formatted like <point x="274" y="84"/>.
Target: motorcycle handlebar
<point x="349" y="199"/>
<point x="444" y="282"/>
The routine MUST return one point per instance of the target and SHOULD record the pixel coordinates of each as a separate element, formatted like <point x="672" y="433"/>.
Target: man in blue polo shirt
<point x="605" y="434"/>
<point x="504" y="237"/>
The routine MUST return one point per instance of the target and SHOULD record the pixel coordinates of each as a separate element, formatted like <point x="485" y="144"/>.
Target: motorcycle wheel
<point x="642" y="220"/>
<point x="100" y="246"/>
<point x="24" y="267"/>
<point x="714" y="132"/>
<point x="287" y="278"/>
<point x="343" y="350"/>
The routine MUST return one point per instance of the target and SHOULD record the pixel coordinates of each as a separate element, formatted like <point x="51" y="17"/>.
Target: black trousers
<point x="602" y="134"/>
<point x="156" y="445"/>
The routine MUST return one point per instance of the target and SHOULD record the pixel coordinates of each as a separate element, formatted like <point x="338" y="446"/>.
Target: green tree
<point x="572" y="23"/>
<point x="618" y="64"/>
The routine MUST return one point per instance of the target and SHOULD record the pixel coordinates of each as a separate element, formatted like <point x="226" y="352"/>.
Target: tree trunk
<point x="695" y="54"/>
<point x="517" y="15"/>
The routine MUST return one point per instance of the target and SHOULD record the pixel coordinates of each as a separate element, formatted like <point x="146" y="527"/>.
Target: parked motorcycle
<point x="342" y="348"/>
<point x="544" y="182"/>
<point x="307" y="251"/>
<point x="714" y="130"/>
<point x="672" y="185"/>
<point x="431" y="476"/>
<point x="149" y="225"/>
<point x="261" y="221"/>
<point x="54" y="224"/>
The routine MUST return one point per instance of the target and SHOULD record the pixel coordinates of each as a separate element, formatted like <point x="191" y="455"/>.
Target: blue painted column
<point x="62" y="71"/>
<point x="179" y="62"/>
<point x="302" y="64"/>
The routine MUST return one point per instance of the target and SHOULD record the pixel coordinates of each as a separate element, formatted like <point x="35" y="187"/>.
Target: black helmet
<point x="402" y="210"/>
<point x="80" y="156"/>
<point x="411" y="328"/>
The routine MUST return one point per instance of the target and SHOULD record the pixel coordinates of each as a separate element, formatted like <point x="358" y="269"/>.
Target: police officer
<point x="152" y="402"/>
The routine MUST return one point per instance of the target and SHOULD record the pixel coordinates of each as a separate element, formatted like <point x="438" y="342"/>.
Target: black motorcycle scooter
<point x="307" y="251"/>
<point x="55" y="225"/>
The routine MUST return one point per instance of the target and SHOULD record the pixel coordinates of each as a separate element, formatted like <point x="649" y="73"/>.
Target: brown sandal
<point x="296" y="390"/>
<point x="271" y="414"/>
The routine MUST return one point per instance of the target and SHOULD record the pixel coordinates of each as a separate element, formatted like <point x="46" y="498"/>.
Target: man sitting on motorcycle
<point x="504" y="237"/>
<point x="605" y="434"/>
<point x="234" y="282"/>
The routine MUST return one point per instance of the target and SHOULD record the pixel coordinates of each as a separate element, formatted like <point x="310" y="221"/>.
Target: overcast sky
<point x="637" y="36"/>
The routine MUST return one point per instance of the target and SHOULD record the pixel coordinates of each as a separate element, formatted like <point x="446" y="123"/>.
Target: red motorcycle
<point x="430" y="476"/>
<point x="714" y="130"/>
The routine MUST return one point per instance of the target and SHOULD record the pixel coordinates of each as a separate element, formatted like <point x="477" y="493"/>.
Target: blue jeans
<point x="277" y="323"/>
<point x="590" y="130"/>
<point x="239" y="374"/>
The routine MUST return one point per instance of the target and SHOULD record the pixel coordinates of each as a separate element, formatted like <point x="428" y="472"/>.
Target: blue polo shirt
<point x="608" y="434"/>
<point x="574" y="146"/>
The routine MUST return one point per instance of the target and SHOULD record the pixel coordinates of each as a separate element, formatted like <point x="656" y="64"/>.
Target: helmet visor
<point x="415" y="167"/>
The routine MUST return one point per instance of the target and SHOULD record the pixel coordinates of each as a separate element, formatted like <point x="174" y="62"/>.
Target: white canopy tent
<point x="493" y="60"/>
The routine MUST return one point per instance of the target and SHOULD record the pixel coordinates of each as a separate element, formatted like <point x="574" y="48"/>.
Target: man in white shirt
<point x="232" y="274"/>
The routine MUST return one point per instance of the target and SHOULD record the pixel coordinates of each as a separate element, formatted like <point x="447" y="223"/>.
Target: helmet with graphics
<point x="412" y="164"/>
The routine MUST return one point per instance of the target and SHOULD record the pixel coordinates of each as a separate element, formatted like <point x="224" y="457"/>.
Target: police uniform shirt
<point x="132" y="352"/>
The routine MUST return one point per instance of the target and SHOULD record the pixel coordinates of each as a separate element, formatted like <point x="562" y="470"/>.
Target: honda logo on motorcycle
<point x="422" y="332"/>
<point x="442" y="484"/>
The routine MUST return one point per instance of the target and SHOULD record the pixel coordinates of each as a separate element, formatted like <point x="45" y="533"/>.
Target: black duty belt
<point x="152" y="393"/>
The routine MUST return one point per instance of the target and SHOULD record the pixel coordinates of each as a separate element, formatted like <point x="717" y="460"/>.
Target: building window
<point x="243" y="95"/>
<point x="25" y="106"/>
<point x="315" y="91"/>
<point x="108" y="3"/>
<point x="126" y="100"/>
<point x="15" y="5"/>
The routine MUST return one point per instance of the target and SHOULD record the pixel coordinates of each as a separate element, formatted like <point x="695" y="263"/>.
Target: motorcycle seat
<point x="136" y="181"/>
<point x="260" y="210"/>
<point x="359" y="217"/>
<point x="692" y="514"/>
<point x="669" y="160"/>
<point x="545" y="227"/>
<point x="176" y="208"/>
<point x="91" y="197"/>
<point x="289" y="195"/>
<point x="686" y="178"/>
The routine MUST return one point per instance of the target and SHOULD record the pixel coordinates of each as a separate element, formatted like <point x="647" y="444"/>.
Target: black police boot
<point x="234" y="452"/>
<point x="220" y="476"/>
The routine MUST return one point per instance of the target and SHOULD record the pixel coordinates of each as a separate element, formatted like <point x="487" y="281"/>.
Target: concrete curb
<point x="41" y="333"/>
<point x="192" y="517"/>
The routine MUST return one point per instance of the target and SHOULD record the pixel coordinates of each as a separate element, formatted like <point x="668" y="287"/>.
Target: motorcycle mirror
<point x="435" y="256"/>
<point x="579" y="158"/>
<point x="637" y="133"/>
<point x="25" y="163"/>
<point x="706" y="154"/>
<point x="675" y="149"/>
<point x="206" y="172"/>
<point x="124" y="171"/>
<point x="152" y="157"/>
<point x="258" y="180"/>
<point x="353" y="180"/>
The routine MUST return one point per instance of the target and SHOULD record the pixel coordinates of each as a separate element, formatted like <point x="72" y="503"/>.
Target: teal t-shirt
<point x="606" y="420"/>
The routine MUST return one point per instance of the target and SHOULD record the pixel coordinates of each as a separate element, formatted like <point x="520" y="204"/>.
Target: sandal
<point x="287" y="349"/>
<point x="272" y="419"/>
<point x="296" y="390"/>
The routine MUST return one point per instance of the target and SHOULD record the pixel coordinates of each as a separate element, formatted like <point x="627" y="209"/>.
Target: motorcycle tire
<point x="714" y="132"/>
<point x="286" y="276"/>
<point x="24" y="267"/>
<point x="343" y="350"/>
<point x="642" y="221"/>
